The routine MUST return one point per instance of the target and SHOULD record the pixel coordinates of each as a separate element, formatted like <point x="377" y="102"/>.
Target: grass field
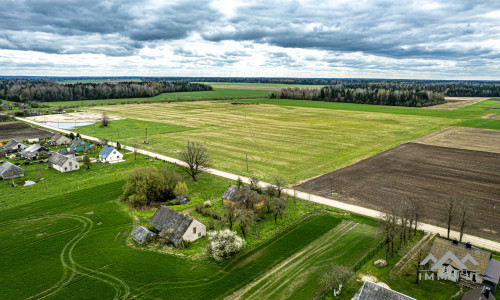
<point x="79" y="241"/>
<point x="297" y="142"/>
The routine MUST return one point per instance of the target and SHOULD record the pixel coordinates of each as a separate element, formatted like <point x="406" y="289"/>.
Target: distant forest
<point x="42" y="90"/>
<point x="396" y="96"/>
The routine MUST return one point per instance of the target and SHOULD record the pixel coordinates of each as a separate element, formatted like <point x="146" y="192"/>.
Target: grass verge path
<point x="477" y="241"/>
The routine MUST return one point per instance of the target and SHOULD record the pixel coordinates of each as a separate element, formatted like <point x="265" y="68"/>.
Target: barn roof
<point x="493" y="271"/>
<point x="76" y="142"/>
<point x="8" y="165"/>
<point x="55" y="137"/>
<point x="231" y="193"/>
<point x="31" y="150"/>
<point x="166" y="218"/>
<point x="441" y="246"/>
<point x="11" y="145"/>
<point x="58" y="159"/>
<point x="142" y="234"/>
<point x="373" y="291"/>
<point x="66" y="151"/>
<point x="106" y="151"/>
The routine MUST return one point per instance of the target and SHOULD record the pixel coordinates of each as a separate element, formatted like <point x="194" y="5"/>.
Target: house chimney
<point x="468" y="245"/>
<point x="455" y="242"/>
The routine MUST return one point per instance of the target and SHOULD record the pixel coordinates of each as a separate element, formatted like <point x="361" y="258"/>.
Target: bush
<point x="181" y="190"/>
<point x="223" y="244"/>
<point x="207" y="203"/>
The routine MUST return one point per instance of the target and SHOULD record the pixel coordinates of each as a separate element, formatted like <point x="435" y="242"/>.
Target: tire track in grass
<point x="71" y="267"/>
<point x="297" y="258"/>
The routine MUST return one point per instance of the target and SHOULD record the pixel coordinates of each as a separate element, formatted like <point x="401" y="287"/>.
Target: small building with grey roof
<point x="142" y="235"/>
<point x="373" y="291"/>
<point x="180" y="227"/>
<point x="63" y="163"/>
<point x="13" y="146"/>
<point x="10" y="171"/>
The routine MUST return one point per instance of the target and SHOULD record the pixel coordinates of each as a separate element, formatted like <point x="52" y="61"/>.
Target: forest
<point x="43" y="90"/>
<point x="367" y="95"/>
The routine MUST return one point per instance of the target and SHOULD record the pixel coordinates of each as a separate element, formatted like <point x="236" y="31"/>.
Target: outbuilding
<point x="63" y="163"/>
<point x="13" y="146"/>
<point x="80" y="145"/>
<point x="142" y="235"/>
<point x="9" y="171"/>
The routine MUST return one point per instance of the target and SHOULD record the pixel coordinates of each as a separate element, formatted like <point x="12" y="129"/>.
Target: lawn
<point x="74" y="246"/>
<point x="297" y="142"/>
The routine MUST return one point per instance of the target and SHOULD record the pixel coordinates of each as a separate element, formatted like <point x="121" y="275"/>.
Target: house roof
<point x="166" y="218"/>
<point x="6" y="166"/>
<point x="493" y="271"/>
<point x="11" y="145"/>
<point x="477" y="294"/>
<point x="55" y="137"/>
<point x="58" y="159"/>
<point x="441" y="246"/>
<point x="142" y="234"/>
<point x="106" y="151"/>
<point x="76" y="142"/>
<point x="231" y="193"/>
<point x="373" y="291"/>
<point x="31" y="150"/>
<point x="66" y="151"/>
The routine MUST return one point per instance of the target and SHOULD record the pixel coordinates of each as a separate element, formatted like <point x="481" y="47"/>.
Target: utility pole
<point x="246" y="154"/>
<point x="146" y="140"/>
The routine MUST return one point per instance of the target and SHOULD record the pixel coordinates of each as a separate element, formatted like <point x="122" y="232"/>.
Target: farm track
<point x="293" y="267"/>
<point x="405" y="260"/>
<point x="374" y="213"/>
<point x="71" y="268"/>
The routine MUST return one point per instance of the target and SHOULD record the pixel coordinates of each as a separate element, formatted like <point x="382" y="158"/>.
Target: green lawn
<point x="74" y="246"/>
<point x="297" y="142"/>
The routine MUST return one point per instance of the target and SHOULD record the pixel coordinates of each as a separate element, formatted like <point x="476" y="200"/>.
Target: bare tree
<point x="196" y="157"/>
<point x="229" y="214"/>
<point x="335" y="276"/>
<point x="449" y="212"/>
<point x="386" y="226"/>
<point x="104" y="120"/>
<point x="245" y="217"/>
<point x="280" y="183"/>
<point x="103" y="141"/>
<point x="279" y="206"/>
<point x="419" y="257"/>
<point x="465" y="214"/>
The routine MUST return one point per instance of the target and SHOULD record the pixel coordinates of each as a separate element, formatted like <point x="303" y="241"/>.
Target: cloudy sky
<point x="371" y="39"/>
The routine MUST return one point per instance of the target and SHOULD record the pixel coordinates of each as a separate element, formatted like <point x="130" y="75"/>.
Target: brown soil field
<point x="464" y="138"/>
<point x="456" y="102"/>
<point x="21" y="131"/>
<point x="430" y="172"/>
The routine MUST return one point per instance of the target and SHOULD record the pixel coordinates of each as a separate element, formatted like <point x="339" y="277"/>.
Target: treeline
<point x="39" y="90"/>
<point x="450" y="88"/>
<point x="368" y="95"/>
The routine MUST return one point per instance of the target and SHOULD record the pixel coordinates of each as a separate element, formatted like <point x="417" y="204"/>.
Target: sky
<point x="329" y="39"/>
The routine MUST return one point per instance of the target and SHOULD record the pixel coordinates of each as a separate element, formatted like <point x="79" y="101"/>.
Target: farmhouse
<point x="10" y="171"/>
<point x="110" y="154"/>
<point x="13" y="146"/>
<point x="62" y="163"/>
<point x="34" y="151"/>
<point x="234" y="194"/>
<point x="181" y="226"/>
<point x="80" y="145"/>
<point x="142" y="235"/>
<point x="454" y="256"/>
<point x="68" y="152"/>
<point x="59" y="139"/>
<point x="373" y="291"/>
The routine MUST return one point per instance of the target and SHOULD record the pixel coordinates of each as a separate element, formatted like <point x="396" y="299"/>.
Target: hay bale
<point x="380" y="263"/>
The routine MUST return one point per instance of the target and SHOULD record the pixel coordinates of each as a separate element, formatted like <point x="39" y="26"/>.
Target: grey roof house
<point x="110" y="154"/>
<point x="32" y="151"/>
<point x="13" y="146"/>
<point x="67" y="152"/>
<point x="373" y="291"/>
<point x="63" y="163"/>
<point x="142" y="235"/>
<point x="182" y="227"/>
<point x="59" y="139"/>
<point x="9" y="171"/>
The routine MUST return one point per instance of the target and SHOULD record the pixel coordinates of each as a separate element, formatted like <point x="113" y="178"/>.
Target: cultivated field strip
<point x="297" y="142"/>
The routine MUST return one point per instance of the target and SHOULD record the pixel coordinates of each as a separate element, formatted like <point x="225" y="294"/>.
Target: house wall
<point x="201" y="230"/>
<point x="454" y="274"/>
<point x="63" y="141"/>
<point x="66" y="166"/>
<point x="113" y="156"/>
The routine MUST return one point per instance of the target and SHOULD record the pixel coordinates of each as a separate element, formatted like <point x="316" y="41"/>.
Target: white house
<point x="63" y="163"/>
<point x="110" y="154"/>
<point x="183" y="227"/>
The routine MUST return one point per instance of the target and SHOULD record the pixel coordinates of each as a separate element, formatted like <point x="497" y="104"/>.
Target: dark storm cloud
<point x="76" y="26"/>
<point x="382" y="28"/>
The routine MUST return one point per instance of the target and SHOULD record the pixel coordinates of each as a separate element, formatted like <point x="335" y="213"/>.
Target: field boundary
<point x="478" y="241"/>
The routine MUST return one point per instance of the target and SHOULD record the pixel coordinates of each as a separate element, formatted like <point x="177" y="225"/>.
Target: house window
<point x="452" y="272"/>
<point x="65" y="168"/>
<point x="194" y="229"/>
<point x="445" y="271"/>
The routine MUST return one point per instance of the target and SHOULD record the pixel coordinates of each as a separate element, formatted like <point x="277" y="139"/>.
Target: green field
<point x="80" y="251"/>
<point x="297" y="142"/>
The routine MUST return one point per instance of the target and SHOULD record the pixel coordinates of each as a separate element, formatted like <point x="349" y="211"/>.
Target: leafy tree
<point x="181" y="190"/>
<point x="239" y="182"/>
<point x="196" y="157"/>
<point x="143" y="185"/>
<point x="86" y="161"/>
<point x="72" y="135"/>
<point x="104" y="120"/>
<point x="171" y="179"/>
<point x="118" y="146"/>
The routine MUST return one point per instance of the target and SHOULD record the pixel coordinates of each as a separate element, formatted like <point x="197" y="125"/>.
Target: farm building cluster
<point x="37" y="150"/>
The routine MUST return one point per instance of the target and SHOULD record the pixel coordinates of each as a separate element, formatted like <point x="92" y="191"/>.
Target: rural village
<point x="323" y="150"/>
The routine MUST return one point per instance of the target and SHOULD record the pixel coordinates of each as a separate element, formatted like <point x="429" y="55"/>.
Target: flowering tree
<point x="223" y="243"/>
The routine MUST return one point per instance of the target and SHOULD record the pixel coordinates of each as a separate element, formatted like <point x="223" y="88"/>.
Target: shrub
<point x="223" y="244"/>
<point x="181" y="190"/>
<point x="207" y="203"/>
